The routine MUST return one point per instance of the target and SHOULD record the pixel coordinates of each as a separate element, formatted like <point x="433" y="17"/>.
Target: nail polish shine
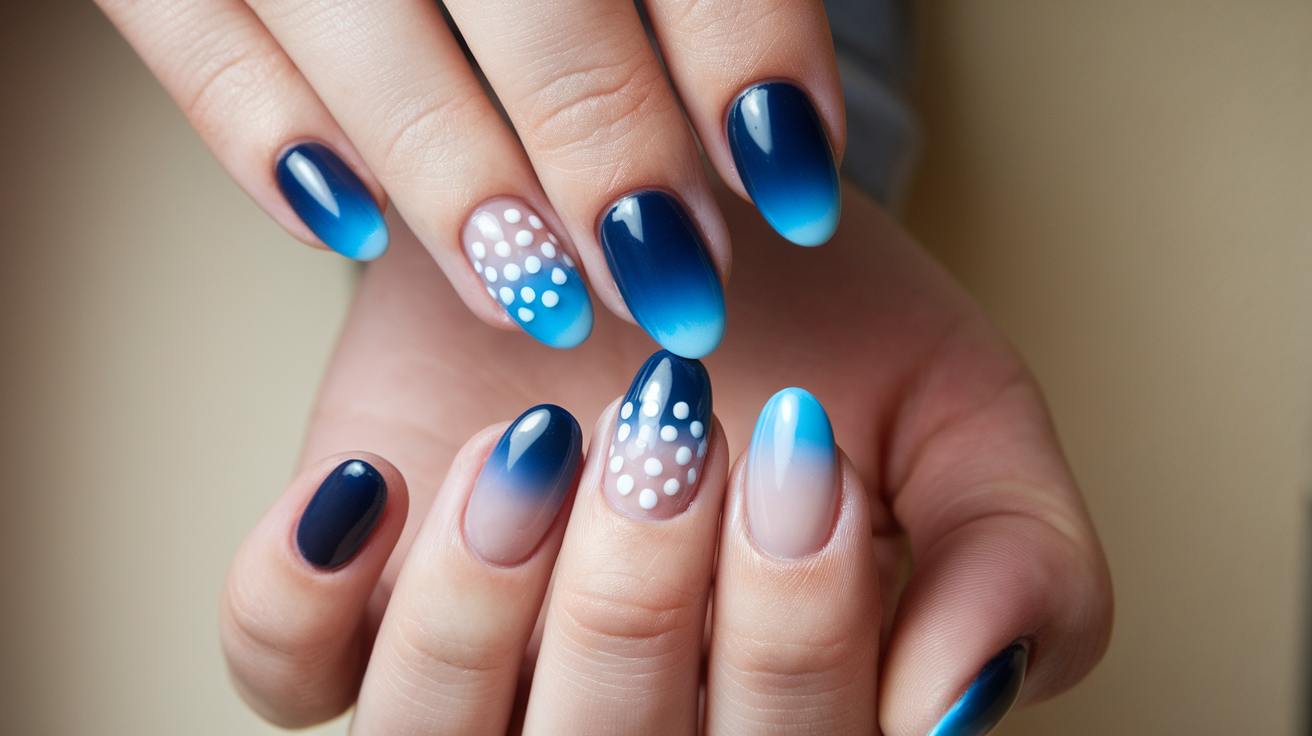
<point x="784" y="159"/>
<point x="332" y="201"/>
<point x="990" y="696"/>
<point x="664" y="272"/>
<point x="792" y="478"/>
<point x="523" y="484"/>
<point x="342" y="513"/>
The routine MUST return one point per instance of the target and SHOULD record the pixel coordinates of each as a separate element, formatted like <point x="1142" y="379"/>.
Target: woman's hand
<point x="322" y="109"/>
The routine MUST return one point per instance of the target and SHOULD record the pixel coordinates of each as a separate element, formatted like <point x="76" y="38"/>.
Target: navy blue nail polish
<point x="522" y="485"/>
<point x="784" y="159"/>
<point x="664" y="272"/>
<point x="656" y="455"/>
<point x="344" y="510"/>
<point x="990" y="696"/>
<point x="332" y="201"/>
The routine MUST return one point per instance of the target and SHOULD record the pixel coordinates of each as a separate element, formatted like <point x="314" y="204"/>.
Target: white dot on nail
<point x="612" y="450"/>
<point x="647" y="499"/>
<point x="479" y="249"/>
<point x="557" y="276"/>
<point x="671" y="487"/>
<point x="550" y="298"/>
<point x="523" y="237"/>
<point x="683" y="456"/>
<point x="527" y="294"/>
<point x="511" y="272"/>
<point x="616" y="463"/>
<point x="532" y="264"/>
<point x="568" y="261"/>
<point x="624" y="484"/>
<point x="701" y="448"/>
<point x="490" y="274"/>
<point x="652" y="467"/>
<point x="512" y="215"/>
<point x="692" y="475"/>
<point x="623" y="433"/>
<point x="492" y="291"/>
<point x="507" y="294"/>
<point x="535" y="222"/>
<point x="548" y="250"/>
<point x="478" y="266"/>
<point x="627" y="410"/>
<point x="669" y="433"/>
<point x="650" y="408"/>
<point x="553" y="238"/>
<point x="696" y="429"/>
<point x="681" y="410"/>
<point x="526" y="314"/>
<point x="502" y="248"/>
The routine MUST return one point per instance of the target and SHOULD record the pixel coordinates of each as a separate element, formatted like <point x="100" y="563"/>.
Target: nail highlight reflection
<point x="990" y="696"/>
<point x="332" y="201"/>
<point x="792" y="479"/>
<point x="522" y="485"/>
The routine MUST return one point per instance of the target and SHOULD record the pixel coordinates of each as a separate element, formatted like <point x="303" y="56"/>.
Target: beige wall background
<point x="1126" y="186"/>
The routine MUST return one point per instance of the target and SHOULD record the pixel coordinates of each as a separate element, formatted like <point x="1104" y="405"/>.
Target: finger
<point x="608" y="139"/>
<point x="1011" y="597"/>
<point x="760" y="84"/>
<point x="260" y="118"/>
<point x="795" y="637"/>
<point x="395" y="78"/>
<point x="294" y="616"/>
<point x="621" y="646"/>
<point x="448" y="653"/>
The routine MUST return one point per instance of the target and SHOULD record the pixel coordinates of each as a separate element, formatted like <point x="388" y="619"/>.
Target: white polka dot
<point x="490" y="274"/>
<point x="550" y="298"/>
<point x="627" y="410"/>
<point x="669" y="433"/>
<point x="681" y="410"/>
<point x="512" y="215"/>
<point x="696" y="429"/>
<point x="478" y="266"/>
<point x="507" y="294"/>
<point x="526" y="314"/>
<point x="535" y="222"/>
<point x="624" y="484"/>
<point x="532" y="264"/>
<point x="692" y="475"/>
<point x="527" y="295"/>
<point x="553" y="238"/>
<point x="502" y="248"/>
<point x="616" y="463"/>
<point x="548" y="250"/>
<point x="568" y="261"/>
<point x="557" y="276"/>
<point x="511" y="272"/>
<point x="683" y="456"/>
<point x="652" y="467"/>
<point x="492" y="291"/>
<point x="701" y="448"/>
<point x="647" y="499"/>
<point x="612" y="450"/>
<point x="671" y="487"/>
<point x="480" y="250"/>
<point x="623" y="434"/>
<point x="650" y="408"/>
<point x="523" y="237"/>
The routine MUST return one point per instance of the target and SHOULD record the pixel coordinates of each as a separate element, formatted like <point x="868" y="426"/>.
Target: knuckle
<point x="789" y="666"/>
<point x="426" y="131"/>
<point x="445" y="657"/>
<point x="630" y="616"/>
<point x="229" y="77"/>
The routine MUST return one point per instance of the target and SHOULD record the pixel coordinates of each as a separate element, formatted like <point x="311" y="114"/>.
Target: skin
<point x="951" y="461"/>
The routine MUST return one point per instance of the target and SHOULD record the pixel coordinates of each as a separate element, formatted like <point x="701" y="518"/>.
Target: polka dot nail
<point x="527" y="272"/>
<point x="655" y="460"/>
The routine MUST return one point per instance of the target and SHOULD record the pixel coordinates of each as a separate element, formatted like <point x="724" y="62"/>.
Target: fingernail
<point x="792" y="487"/>
<point x="654" y="463"/>
<point x="332" y="201"/>
<point x="784" y="159"/>
<point x="522" y="485"/>
<point x="344" y="510"/>
<point x="527" y="272"/>
<point x="990" y="696"/>
<point x="664" y="272"/>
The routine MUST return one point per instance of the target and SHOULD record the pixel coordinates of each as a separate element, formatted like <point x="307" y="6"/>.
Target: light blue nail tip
<point x="332" y="201"/>
<point x="990" y="696"/>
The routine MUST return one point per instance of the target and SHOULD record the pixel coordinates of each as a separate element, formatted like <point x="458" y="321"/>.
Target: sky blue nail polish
<point x="527" y="272"/>
<point x="523" y="484"/>
<point x="784" y="159"/>
<point x="332" y="201"/>
<point x="341" y="514"/>
<point x="990" y="696"/>
<point x="664" y="272"/>
<point x="792" y="474"/>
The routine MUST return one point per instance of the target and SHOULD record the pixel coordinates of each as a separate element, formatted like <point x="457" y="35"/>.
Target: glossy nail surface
<point x="527" y="272"/>
<point x="783" y="157"/>
<point x="664" y="272"/>
<point x="655" y="459"/>
<point x="522" y="485"/>
<point x="792" y="478"/>
<point x="337" y="521"/>
<point x="990" y="696"/>
<point x="332" y="201"/>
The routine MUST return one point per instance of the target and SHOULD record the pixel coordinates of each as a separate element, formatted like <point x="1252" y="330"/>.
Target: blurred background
<point x="1126" y="186"/>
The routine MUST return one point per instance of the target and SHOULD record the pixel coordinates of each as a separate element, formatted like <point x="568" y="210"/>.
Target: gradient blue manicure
<point x="989" y="698"/>
<point x="523" y="484"/>
<point x="341" y="515"/>
<point x="785" y="162"/>
<point x="664" y="272"/>
<point x="332" y="201"/>
<point x="792" y="474"/>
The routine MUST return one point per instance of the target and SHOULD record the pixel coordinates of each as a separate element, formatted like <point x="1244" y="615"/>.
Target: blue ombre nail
<point x="792" y="476"/>
<point x="990" y="696"/>
<point x="522" y="485"/>
<point x="332" y="201"/>
<point x="343" y="512"/>
<point x="527" y="272"/>
<point x="784" y="159"/>
<point x="664" y="272"/>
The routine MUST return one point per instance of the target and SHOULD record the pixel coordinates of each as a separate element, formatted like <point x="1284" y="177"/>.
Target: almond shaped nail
<point x="989" y="697"/>
<point x="792" y="476"/>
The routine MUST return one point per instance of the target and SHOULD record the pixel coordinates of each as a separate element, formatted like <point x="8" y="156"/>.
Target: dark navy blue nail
<point x="332" y="201"/>
<point x="656" y="456"/>
<point x="522" y="485"/>
<point x="343" y="511"/>
<point x="784" y="159"/>
<point x="664" y="273"/>
<point x="990" y="696"/>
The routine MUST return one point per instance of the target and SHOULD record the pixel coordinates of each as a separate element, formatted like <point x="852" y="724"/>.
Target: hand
<point x="320" y="109"/>
<point x="944" y="428"/>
